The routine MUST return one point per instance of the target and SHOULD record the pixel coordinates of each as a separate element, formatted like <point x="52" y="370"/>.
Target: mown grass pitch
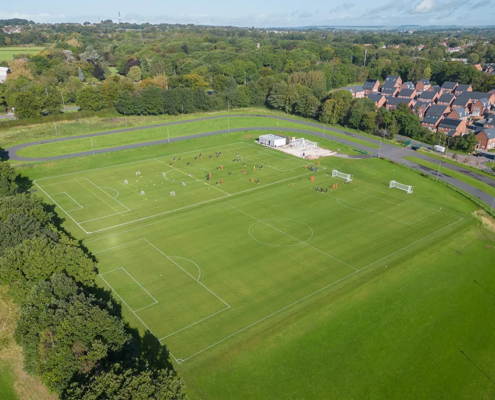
<point x="215" y="260"/>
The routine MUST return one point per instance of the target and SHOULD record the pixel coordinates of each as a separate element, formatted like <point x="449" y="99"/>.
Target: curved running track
<point x="389" y="151"/>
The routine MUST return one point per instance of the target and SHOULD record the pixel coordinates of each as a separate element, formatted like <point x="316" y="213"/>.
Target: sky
<point x="261" y="13"/>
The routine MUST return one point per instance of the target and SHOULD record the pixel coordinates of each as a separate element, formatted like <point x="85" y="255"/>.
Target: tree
<point x="27" y="105"/>
<point x="307" y="105"/>
<point x="80" y="74"/>
<point x="134" y="74"/>
<point x="23" y="216"/>
<point x="368" y="121"/>
<point x="8" y="177"/>
<point x="473" y="58"/>
<point x="283" y="97"/>
<point x="90" y="98"/>
<point x="130" y="383"/>
<point x="152" y="100"/>
<point x="37" y="259"/>
<point x="66" y="332"/>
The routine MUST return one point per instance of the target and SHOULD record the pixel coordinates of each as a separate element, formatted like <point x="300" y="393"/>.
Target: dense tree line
<point x="73" y="336"/>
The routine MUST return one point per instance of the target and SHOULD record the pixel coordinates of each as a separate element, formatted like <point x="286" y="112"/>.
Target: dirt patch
<point x="308" y="153"/>
<point x="486" y="220"/>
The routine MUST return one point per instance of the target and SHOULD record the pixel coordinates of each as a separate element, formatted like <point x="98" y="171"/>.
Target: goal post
<point x="347" y="177"/>
<point x="406" y="188"/>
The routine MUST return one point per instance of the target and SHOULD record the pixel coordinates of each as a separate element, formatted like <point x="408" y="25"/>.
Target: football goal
<point x="303" y="143"/>
<point x="401" y="186"/>
<point x="347" y="177"/>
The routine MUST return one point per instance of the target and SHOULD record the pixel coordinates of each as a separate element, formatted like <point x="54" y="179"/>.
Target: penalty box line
<point x="314" y="293"/>
<point x="141" y="286"/>
<point x="156" y="301"/>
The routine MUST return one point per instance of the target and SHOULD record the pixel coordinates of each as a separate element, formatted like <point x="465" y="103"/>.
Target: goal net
<point x="347" y="177"/>
<point x="401" y="186"/>
<point x="303" y="143"/>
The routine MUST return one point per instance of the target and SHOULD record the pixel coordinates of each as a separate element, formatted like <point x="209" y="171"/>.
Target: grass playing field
<point x="7" y="53"/>
<point x="275" y="290"/>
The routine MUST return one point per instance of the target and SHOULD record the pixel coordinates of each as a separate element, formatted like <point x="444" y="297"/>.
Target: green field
<point x="7" y="53"/>
<point x="274" y="290"/>
<point x="7" y="379"/>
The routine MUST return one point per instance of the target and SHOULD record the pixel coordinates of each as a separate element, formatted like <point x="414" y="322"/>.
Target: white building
<point x="3" y="74"/>
<point x="272" y="140"/>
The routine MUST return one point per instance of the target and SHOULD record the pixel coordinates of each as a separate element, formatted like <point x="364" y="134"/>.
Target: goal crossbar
<point x="407" y="188"/>
<point x="347" y="177"/>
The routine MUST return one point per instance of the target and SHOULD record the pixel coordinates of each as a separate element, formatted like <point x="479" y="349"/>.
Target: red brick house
<point x="393" y="102"/>
<point x="408" y="85"/>
<point x="390" y="91"/>
<point x="486" y="139"/>
<point x="461" y="88"/>
<point x="371" y="86"/>
<point x="431" y="121"/>
<point x="420" y="109"/>
<point x="478" y="67"/>
<point x="478" y="108"/>
<point x="459" y="113"/>
<point x="429" y="97"/>
<point x="446" y="99"/>
<point x="356" y="91"/>
<point x="392" y="80"/>
<point x="423" y="85"/>
<point x="438" y="109"/>
<point x="378" y="99"/>
<point x="408" y="94"/>
<point x="461" y="102"/>
<point x="490" y="121"/>
<point x="449" y="87"/>
<point x="450" y="124"/>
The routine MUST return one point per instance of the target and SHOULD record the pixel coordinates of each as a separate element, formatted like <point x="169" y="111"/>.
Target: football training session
<point x="202" y="246"/>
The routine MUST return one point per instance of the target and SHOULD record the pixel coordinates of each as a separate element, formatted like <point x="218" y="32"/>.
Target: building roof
<point x="421" y="103"/>
<point x="461" y="112"/>
<point x="271" y="136"/>
<point x="408" y="85"/>
<point x="407" y="92"/>
<point x="425" y="81"/>
<point x="490" y="133"/>
<point x="475" y="95"/>
<point x="431" y="119"/>
<point x="451" y="133"/>
<point x="392" y="78"/>
<point x="445" y="98"/>
<point x="435" y="88"/>
<point x="437" y="109"/>
<point x="485" y="102"/>
<point x="462" y="88"/>
<point x="354" y="89"/>
<point x="4" y="70"/>
<point x="394" y="101"/>
<point x="461" y="102"/>
<point x="427" y="95"/>
<point x="451" y="123"/>
<point x="389" y="90"/>
<point x="375" y="97"/>
<point x="490" y="119"/>
<point x="449" y="85"/>
<point x="370" y="84"/>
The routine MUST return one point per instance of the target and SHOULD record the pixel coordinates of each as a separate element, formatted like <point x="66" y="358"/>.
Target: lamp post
<point x="438" y="172"/>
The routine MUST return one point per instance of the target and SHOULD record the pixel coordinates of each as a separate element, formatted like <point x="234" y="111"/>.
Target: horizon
<point x="384" y="13"/>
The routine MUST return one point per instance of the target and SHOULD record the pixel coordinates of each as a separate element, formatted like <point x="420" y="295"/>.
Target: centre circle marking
<point x="267" y="223"/>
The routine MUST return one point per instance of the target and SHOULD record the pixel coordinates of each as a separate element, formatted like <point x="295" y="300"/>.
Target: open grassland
<point x="7" y="53"/>
<point x="454" y="174"/>
<point x="275" y="290"/>
<point x="25" y="134"/>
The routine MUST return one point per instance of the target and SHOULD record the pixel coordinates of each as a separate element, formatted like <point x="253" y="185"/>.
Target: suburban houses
<point x="453" y="109"/>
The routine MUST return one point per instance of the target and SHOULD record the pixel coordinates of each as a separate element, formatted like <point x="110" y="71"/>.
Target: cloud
<point x="424" y="7"/>
<point x="480" y="4"/>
